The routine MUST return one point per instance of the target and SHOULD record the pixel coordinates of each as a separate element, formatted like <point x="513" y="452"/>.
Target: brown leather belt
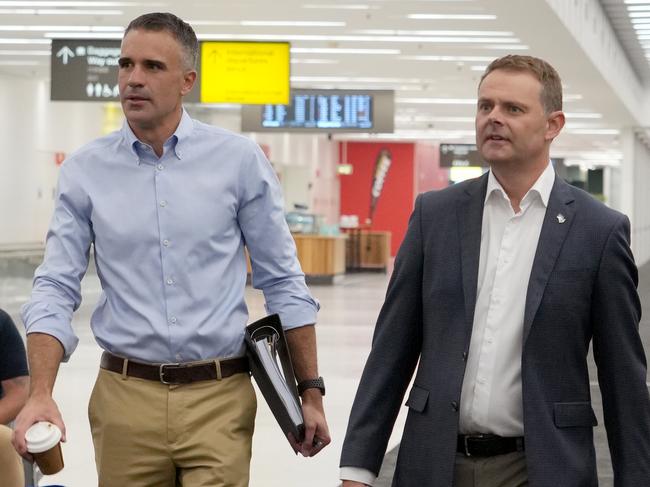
<point x="172" y="373"/>
<point x="488" y="445"/>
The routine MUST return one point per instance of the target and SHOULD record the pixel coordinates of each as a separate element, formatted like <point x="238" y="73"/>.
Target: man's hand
<point x="38" y="408"/>
<point x="317" y="435"/>
<point x="44" y="353"/>
<point x="352" y="483"/>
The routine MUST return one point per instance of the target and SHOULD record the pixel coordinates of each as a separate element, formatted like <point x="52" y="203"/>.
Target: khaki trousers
<point x="497" y="471"/>
<point x="148" y="434"/>
<point x="11" y="465"/>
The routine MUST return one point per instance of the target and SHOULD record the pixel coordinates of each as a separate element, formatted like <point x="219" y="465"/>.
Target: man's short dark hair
<point x="180" y="30"/>
<point x="546" y="74"/>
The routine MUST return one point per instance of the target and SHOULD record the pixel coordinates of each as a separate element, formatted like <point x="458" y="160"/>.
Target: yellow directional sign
<point x="245" y="72"/>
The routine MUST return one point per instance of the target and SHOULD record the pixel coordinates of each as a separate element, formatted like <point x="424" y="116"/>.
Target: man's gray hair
<point x="180" y="30"/>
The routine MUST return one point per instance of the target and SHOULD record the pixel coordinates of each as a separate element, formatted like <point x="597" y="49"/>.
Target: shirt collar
<point x="177" y="139"/>
<point x="542" y="186"/>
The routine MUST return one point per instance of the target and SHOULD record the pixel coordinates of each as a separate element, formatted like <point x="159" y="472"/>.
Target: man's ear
<point x="189" y="78"/>
<point x="554" y="124"/>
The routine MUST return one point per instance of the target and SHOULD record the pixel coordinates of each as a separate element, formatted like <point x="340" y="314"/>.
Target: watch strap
<point x="319" y="384"/>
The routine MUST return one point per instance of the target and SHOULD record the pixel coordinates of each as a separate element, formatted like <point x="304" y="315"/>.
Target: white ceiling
<point x="432" y="61"/>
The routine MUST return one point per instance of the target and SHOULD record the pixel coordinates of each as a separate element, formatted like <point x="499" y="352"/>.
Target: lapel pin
<point x="560" y="218"/>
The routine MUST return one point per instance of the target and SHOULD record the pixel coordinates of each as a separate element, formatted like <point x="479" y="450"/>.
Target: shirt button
<point x="481" y="380"/>
<point x="172" y="319"/>
<point x="163" y="203"/>
<point x="170" y="281"/>
<point x="454" y="405"/>
<point x="489" y="339"/>
<point x="166" y="243"/>
<point x="464" y="355"/>
<point x="160" y="167"/>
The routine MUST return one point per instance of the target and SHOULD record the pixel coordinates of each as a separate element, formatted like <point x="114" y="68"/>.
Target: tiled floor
<point x="345" y="327"/>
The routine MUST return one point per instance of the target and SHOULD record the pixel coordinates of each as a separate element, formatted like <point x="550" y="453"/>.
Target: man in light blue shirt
<point x="169" y="204"/>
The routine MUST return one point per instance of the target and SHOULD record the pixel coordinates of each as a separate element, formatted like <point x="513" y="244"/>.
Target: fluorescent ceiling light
<point x="70" y="28"/>
<point x="641" y="26"/>
<point x="341" y="7"/>
<point x="57" y="3"/>
<point x="24" y="52"/>
<point x="478" y="68"/>
<point x="355" y="79"/>
<point x="83" y="35"/>
<point x="19" y="63"/>
<point x="511" y="41"/>
<point x="509" y="47"/>
<point x="44" y="11"/>
<point x="594" y="131"/>
<point x="641" y="8"/>
<point x="494" y="33"/>
<point x="451" y="17"/>
<point x="450" y="58"/>
<point x="639" y="15"/>
<point x="571" y="97"/>
<point x="459" y="135"/>
<point x="425" y="119"/>
<point x="291" y="23"/>
<point x="314" y="61"/>
<point x="24" y="41"/>
<point x="268" y="23"/>
<point x="582" y="115"/>
<point x="437" y="101"/>
<point x="341" y="50"/>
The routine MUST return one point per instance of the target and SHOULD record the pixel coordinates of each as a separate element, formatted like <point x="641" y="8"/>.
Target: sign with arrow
<point x="245" y="72"/>
<point x="86" y="70"/>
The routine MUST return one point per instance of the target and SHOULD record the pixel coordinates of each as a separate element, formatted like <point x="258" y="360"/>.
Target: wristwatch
<point x="319" y="383"/>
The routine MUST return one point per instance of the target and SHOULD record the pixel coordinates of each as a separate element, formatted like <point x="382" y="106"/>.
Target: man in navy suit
<point x="499" y="287"/>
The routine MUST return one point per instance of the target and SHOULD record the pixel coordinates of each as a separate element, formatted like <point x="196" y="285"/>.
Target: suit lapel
<point x="557" y="222"/>
<point x="470" y="220"/>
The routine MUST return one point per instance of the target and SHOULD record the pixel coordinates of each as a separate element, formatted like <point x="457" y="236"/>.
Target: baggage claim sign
<point x="85" y="70"/>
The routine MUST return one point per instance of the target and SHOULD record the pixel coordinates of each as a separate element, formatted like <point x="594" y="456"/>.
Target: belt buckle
<point x="161" y="372"/>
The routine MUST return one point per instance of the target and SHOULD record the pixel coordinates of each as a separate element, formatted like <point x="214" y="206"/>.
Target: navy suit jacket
<point x="582" y="287"/>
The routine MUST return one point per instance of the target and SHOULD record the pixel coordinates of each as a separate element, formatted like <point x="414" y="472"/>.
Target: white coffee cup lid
<point x="42" y="436"/>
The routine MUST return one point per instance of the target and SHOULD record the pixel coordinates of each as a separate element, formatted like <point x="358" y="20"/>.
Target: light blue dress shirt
<point x="169" y="236"/>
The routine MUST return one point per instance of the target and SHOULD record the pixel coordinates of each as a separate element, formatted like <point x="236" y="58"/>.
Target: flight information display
<point x="321" y="111"/>
<point x="326" y="111"/>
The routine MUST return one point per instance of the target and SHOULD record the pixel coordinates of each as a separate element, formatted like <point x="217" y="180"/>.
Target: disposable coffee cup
<point x="44" y="443"/>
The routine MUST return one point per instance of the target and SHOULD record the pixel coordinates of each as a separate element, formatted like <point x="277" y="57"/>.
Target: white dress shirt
<point x="491" y="399"/>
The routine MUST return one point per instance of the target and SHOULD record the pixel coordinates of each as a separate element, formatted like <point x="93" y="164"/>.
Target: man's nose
<point x="495" y="115"/>
<point x="136" y="77"/>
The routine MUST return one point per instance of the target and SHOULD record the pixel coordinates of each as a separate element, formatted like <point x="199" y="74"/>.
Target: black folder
<point x="265" y="344"/>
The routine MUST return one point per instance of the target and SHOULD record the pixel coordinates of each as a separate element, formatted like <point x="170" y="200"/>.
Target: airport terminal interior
<point x="360" y="106"/>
